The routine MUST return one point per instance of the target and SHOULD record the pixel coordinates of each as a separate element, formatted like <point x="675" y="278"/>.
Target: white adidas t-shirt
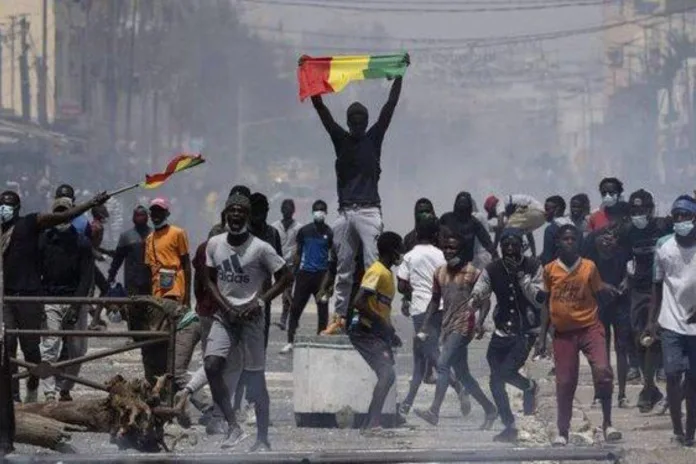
<point x="418" y="269"/>
<point x="242" y="270"/>
<point x="676" y="268"/>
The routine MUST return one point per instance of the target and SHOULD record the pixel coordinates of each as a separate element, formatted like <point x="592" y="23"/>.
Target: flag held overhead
<point x="178" y="164"/>
<point x="317" y="76"/>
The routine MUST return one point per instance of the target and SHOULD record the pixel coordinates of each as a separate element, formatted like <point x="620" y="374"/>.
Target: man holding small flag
<point x="358" y="157"/>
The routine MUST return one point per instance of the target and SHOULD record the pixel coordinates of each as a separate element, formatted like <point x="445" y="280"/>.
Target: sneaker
<point x="337" y="326"/>
<point x="529" y="399"/>
<point x="633" y="375"/>
<point x="491" y="416"/>
<point x="623" y="403"/>
<point x="65" y="396"/>
<point x="216" y="426"/>
<point x="234" y="438"/>
<point x="560" y="441"/>
<point x="427" y="415"/>
<point x="678" y="439"/>
<point x="508" y="435"/>
<point x="207" y="416"/>
<point x="49" y="397"/>
<point x="404" y="409"/>
<point x="464" y="403"/>
<point x="611" y="435"/>
<point x="689" y="442"/>
<point x="32" y="396"/>
<point x="287" y="349"/>
<point x="261" y="446"/>
<point x="648" y="399"/>
<point x="662" y="407"/>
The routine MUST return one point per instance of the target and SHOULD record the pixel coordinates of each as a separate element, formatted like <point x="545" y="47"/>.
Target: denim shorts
<point x="678" y="352"/>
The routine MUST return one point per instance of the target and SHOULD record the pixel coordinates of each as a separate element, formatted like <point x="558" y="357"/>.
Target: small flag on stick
<point x="178" y="164"/>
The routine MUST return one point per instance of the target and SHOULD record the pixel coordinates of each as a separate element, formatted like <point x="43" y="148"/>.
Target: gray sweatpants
<point x="354" y="226"/>
<point x="51" y="347"/>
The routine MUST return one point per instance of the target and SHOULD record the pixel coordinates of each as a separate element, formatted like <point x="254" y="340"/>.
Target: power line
<point x="458" y="43"/>
<point x="365" y="8"/>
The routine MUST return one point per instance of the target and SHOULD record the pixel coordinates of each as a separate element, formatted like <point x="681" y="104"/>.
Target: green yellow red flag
<point x="317" y="76"/>
<point x="178" y="164"/>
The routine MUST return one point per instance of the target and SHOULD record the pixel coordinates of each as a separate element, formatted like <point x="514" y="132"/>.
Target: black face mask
<point x="357" y="119"/>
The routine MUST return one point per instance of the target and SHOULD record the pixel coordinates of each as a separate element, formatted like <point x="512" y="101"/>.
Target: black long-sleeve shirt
<point x="67" y="263"/>
<point x="358" y="159"/>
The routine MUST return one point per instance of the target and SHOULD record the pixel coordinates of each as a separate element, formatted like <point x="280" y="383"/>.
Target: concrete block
<point x="330" y="376"/>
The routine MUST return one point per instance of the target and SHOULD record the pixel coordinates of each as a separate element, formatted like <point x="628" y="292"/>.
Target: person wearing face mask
<point x="19" y="243"/>
<point x="602" y="248"/>
<point x="611" y="190"/>
<point x="673" y="313"/>
<point x="130" y="253"/>
<point x="167" y="256"/>
<point x="422" y="210"/>
<point x="287" y="227"/>
<point x="640" y="239"/>
<point x="517" y="282"/>
<point x="452" y="286"/>
<point x="237" y="264"/>
<point x="358" y="170"/>
<point x="371" y="331"/>
<point x="572" y="284"/>
<point x="315" y="264"/>
<point x="67" y="269"/>
<point x="415" y="281"/>
<point x="461" y="222"/>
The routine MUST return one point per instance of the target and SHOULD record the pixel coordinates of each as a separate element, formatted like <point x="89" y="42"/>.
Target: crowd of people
<point x="617" y="270"/>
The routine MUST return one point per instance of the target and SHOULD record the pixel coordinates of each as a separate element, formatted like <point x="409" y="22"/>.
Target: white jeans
<point x="354" y="227"/>
<point x="52" y="347"/>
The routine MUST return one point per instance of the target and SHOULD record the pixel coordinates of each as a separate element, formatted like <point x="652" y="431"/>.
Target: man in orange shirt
<point x="573" y="284"/>
<point x="167" y="255"/>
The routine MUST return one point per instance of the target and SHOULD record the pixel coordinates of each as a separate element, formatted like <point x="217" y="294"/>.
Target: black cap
<point x="641" y="198"/>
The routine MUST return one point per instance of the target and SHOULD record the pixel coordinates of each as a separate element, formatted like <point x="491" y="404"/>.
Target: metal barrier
<point x="46" y="369"/>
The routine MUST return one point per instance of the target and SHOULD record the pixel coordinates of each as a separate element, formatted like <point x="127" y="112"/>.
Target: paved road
<point x="454" y="431"/>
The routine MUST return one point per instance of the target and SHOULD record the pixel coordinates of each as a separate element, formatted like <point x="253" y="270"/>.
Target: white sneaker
<point x="287" y="349"/>
<point x="32" y="396"/>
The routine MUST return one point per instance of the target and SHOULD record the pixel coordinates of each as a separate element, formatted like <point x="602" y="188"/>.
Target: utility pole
<point x="131" y="69"/>
<point x="1" y="41"/>
<point x="13" y="25"/>
<point x="24" y="69"/>
<point x="42" y="69"/>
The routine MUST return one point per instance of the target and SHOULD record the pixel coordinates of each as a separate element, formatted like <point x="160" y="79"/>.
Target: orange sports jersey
<point x="572" y="294"/>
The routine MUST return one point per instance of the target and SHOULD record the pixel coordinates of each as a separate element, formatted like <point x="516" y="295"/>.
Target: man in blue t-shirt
<point x="314" y="267"/>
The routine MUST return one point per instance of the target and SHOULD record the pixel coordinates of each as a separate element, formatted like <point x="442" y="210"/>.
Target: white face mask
<point x="63" y="227"/>
<point x="610" y="200"/>
<point x="683" y="228"/>
<point x="640" y="222"/>
<point x="6" y="213"/>
<point x="319" y="216"/>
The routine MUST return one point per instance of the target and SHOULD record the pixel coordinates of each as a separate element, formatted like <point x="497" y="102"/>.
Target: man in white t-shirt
<point x="415" y="282"/>
<point x="674" y="297"/>
<point x="237" y="265"/>
<point x="287" y="228"/>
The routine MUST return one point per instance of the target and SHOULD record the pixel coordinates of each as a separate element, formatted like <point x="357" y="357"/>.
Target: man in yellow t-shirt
<point x="371" y="331"/>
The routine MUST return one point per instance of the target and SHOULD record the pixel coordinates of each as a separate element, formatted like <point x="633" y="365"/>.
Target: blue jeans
<point x="455" y="355"/>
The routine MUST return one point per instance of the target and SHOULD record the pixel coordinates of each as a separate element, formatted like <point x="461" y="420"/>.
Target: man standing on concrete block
<point x="371" y="331"/>
<point x="358" y="169"/>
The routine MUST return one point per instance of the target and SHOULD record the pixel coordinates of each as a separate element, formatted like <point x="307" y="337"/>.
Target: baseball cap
<point x="160" y="202"/>
<point x="62" y="203"/>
